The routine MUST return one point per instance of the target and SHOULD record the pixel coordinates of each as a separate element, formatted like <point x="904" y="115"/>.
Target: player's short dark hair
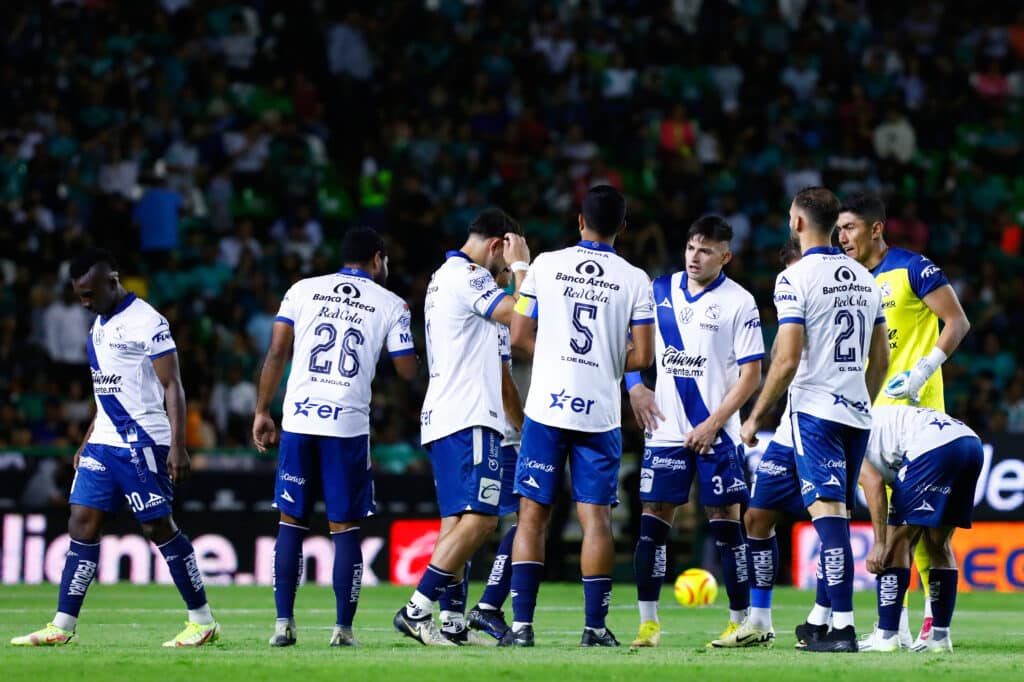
<point x="868" y="207"/>
<point x="711" y="227"/>
<point x="494" y="223"/>
<point x="361" y="244"/>
<point x="820" y="205"/>
<point x="84" y="262"/>
<point x="604" y="210"/>
<point x="789" y="253"/>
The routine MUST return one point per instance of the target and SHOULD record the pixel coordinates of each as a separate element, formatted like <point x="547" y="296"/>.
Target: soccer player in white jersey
<point x="487" y="616"/>
<point x="589" y="300"/>
<point x="134" y="450"/>
<point x="462" y="419"/>
<point x="932" y="462"/>
<point x="333" y="327"/>
<point x="830" y="325"/>
<point x="708" y="352"/>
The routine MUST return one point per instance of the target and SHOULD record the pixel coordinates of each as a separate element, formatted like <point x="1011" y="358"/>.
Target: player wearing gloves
<point x="915" y="296"/>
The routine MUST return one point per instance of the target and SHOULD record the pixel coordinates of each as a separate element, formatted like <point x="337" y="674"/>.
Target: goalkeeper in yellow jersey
<point x="915" y="296"/>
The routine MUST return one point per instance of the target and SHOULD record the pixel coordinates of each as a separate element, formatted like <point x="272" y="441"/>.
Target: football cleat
<point x="805" y="632"/>
<point x="923" y="636"/>
<point x="466" y="637"/>
<point x="487" y="620"/>
<point x="343" y="637"/>
<point x="51" y="635"/>
<point x="423" y="630"/>
<point x="195" y="634"/>
<point x="934" y="645"/>
<point x="649" y="635"/>
<point x="729" y="629"/>
<point x="591" y="638"/>
<point x="841" y="640"/>
<point x="284" y="633"/>
<point x="746" y="635"/>
<point x="876" y="641"/>
<point x="522" y="637"/>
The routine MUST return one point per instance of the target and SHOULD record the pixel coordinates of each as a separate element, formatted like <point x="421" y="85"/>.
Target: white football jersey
<point x="513" y="436"/>
<point x="784" y="432"/>
<point x="341" y="322"/>
<point x="838" y="302"/>
<point x="129" y="396"/>
<point x="585" y="298"/>
<point x="905" y="430"/>
<point x="462" y="351"/>
<point x="701" y="342"/>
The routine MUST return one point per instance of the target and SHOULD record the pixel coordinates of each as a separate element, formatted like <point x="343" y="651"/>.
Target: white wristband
<point x="936" y="357"/>
<point x="519" y="266"/>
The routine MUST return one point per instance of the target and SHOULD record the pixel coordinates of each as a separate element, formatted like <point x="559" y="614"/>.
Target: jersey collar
<point x="457" y="254"/>
<point x="355" y="272"/>
<point x="595" y="246"/>
<point x="825" y="250"/>
<point x="717" y="282"/>
<point x="125" y="302"/>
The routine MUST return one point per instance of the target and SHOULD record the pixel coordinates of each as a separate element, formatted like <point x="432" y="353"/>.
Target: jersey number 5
<point x="580" y="311"/>
<point x="348" y="365"/>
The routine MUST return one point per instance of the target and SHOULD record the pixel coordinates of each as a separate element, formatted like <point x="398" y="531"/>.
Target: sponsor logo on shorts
<point x="286" y="497"/>
<point x="539" y="466"/>
<point x="670" y="463"/>
<point x="805" y="486"/>
<point x="154" y="501"/>
<point x="531" y="481"/>
<point x="646" y="480"/>
<point x="297" y="480"/>
<point x="771" y="468"/>
<point x="489" y="491"/>
<point x="925" y="507"/>
<point x="736" y="485"/>
<point x="91" y="463"/>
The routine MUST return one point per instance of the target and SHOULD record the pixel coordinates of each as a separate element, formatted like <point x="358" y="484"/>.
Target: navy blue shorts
<point x="937" y="488"/>
<point x="509" y="500"/>
<point x="594" y="460"/>
<point x="338" y="466"/>
<point x="666" y="475"/>
<point x="467" y="471"/>
<point x="109" y="476"/>
<point x="776" y="482"/>
<point x="828" y="458"/>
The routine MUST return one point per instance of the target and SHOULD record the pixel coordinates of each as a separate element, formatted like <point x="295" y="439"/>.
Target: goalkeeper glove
<point x="908" y="385"/>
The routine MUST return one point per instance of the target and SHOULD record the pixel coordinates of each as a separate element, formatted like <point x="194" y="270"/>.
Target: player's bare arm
<point x="264" y="431"/>
<point x="786" y="360"/>
<point x="166" y="366"/>
<point x="406" y="366"/>
<point x="645" y="407"/>
<point x="874" y="492"/>
<point x="523" y="332"/>
<point x="85" y="441"/>
<point x="641" y="353"/>
<point x="955" y="325"/>
<point x="511" y="399"/>
<point x="517" y="254"/>
<point x="704" y="434"/>
<point x="878" y="359"/>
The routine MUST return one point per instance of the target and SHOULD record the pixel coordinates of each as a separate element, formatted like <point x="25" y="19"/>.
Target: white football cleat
<point x="879" y="643"/>
<point x="746" y="635"/>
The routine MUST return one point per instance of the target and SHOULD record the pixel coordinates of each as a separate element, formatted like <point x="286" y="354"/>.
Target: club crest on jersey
<point x="713" y="311"/>
<point x="886" y="289"/>
<point x="478" y="283"/>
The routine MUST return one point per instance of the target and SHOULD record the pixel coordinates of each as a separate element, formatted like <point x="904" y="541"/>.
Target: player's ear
<point x="727" y="256"/>
<point x="876" y="229"/>
<point x="582" y="222"/>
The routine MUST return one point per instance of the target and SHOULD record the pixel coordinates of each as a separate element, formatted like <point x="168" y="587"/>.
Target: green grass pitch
<point x="122" y="627"/>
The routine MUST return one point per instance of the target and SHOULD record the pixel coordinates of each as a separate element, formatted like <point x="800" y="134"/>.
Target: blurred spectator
<point x="156" y="216"/>
<point x="66" y="331"/>
<point x="895" y="138"/>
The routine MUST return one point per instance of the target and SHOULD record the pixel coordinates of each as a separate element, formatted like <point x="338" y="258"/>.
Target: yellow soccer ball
<point x="696" y="587"/>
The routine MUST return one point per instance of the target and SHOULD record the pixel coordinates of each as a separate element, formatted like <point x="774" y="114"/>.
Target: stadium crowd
<point x="222" y="147"/>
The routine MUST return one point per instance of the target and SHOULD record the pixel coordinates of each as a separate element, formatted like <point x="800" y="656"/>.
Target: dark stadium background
<point x="222" y="148"/>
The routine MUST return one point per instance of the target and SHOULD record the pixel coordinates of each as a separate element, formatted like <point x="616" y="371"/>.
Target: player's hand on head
<point x="179" y="466"/>
<point x="748" y="433"/>
<point x="645" y="408"/>
<point x="264" y="432"/>
<point x="515" y="248"/>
